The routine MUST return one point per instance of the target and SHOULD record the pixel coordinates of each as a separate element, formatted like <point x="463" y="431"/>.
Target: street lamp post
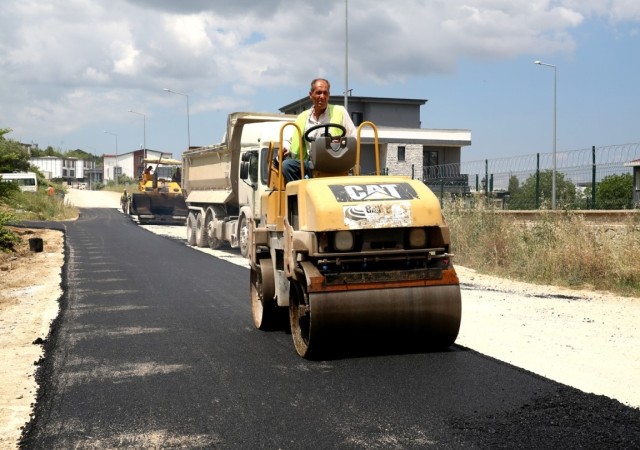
<point x="555" y="108"/>
<point x="116" y="168"/>
<point x="144" y="130"/>
<point x="188" y="130"/>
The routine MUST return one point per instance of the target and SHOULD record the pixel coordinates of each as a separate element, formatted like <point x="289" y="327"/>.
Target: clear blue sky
<point x="71" y="69"/>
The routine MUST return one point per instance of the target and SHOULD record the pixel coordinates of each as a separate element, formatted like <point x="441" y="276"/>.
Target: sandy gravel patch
<point x="588" y="340"/>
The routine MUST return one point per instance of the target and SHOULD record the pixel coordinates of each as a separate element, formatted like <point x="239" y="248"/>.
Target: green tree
<point x="13" y="156"/>
<point x="80" y="154"/>
<point x="615" y="192"/>
<point x="525" y="196"/>
<point x="514" y="185"/>
<point x="50" y="151"/>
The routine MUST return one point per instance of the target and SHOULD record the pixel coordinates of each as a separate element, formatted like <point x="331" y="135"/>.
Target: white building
<point x="68" y="169"/>
<point x="74" y="170"/>
<point x="129" y="164"/>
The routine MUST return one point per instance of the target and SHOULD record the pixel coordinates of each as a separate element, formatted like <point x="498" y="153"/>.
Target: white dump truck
<point x="224" y="182"/>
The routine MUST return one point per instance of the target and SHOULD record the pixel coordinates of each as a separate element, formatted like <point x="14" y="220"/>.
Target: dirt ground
<point x="29" y="293"/>
<point x="588" y="340"/>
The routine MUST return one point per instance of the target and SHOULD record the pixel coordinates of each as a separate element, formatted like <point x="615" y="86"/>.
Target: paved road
<point x="155" y="348"/>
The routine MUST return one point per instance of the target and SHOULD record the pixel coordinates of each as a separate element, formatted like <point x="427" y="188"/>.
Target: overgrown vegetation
<point x="7" y="237"/>
<point x="16" y="205"/>
<point x="558" y="249"/>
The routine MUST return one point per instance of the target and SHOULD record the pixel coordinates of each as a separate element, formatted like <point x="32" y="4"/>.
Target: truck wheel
<point x="191" y="229"/>
<point x="214" y="242"/>
<point x="263" y="305"/>
<point x="202" y="240"/>
<point x="243" y="236"/>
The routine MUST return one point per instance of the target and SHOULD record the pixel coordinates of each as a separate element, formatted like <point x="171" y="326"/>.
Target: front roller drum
<point x="421" y="318"/>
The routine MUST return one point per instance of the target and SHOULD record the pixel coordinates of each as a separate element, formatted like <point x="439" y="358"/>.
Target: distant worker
<point x="124" y="200"/>
<point x="320" y="113"/>
<point x="51" y="190"/>
<point x="177" y="175"/>
<point x="147" y="175"/>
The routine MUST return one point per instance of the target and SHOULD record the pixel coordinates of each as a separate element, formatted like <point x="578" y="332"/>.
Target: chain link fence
<point x="594" y="178"/>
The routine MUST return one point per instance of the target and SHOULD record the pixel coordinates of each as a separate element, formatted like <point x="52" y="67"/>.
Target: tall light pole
<point x="346" y="55"/>
<point x="188" y="130"/>
<point x="555" y="109"/>
<point x="144" y="130"/>
<point x="116" y="168"/>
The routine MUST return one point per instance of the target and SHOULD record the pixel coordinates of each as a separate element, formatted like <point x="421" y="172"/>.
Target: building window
<point x="357" y="118"/>
<point x="401" y="152"/>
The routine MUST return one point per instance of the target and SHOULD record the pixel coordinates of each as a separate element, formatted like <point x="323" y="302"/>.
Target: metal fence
<point x="524" y="182"/>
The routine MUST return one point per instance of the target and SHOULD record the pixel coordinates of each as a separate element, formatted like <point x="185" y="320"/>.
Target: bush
<point x="7" y="237"/>
<point x="40" y="206"/>
<point x="558" y="248"/>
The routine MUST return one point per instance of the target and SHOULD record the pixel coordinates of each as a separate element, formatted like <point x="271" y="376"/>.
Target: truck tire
<point x="210" y="224"/>
<point x="202" y="240"/>
<point x="243" y="236"/>
<point x="191" y="229"/>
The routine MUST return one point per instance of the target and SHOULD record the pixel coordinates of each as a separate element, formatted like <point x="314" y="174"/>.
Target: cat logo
<point x="373" y="192"/>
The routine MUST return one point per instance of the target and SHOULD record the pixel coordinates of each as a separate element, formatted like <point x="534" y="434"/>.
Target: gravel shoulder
<point x="588" y="340"/>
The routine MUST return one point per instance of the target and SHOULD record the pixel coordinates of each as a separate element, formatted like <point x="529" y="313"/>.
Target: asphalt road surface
<point x="155" y="348"/>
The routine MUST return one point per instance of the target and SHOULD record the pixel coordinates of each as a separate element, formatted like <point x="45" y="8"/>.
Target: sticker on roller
<point x="368" y="192"/>
<point x="377" y="215"/>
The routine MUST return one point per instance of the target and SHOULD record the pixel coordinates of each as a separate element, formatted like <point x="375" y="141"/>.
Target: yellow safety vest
<point x="335" y="116"/>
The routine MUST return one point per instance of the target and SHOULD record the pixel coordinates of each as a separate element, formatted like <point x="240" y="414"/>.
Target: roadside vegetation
<point x="15" y="205"/>
<point x="558" y="249"/>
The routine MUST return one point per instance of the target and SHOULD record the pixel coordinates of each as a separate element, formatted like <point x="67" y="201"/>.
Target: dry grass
<point x="562" y="250"/>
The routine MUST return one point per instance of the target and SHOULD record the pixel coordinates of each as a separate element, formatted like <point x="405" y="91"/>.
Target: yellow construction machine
<point x="354" y="258"/>
<point x="159" y="197"/>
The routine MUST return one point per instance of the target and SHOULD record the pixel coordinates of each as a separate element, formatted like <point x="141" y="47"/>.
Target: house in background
<point x="75" y="170"/>
<point x="129" y="164"/>
<point x="405" y="147"/>
<point x="70" y="170"/>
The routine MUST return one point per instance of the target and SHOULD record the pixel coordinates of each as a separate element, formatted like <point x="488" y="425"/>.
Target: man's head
<point x="319" y="94"/>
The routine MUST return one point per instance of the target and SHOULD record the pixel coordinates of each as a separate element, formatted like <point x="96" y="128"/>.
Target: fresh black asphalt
<point x="155" y="348"/>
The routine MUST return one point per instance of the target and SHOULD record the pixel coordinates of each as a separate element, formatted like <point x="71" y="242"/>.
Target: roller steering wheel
<point x="326" y="126"/>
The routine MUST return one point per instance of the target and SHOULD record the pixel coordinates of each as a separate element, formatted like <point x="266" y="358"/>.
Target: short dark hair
<point x="315" y="80"/>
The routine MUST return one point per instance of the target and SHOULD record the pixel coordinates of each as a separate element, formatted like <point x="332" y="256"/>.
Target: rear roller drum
<point x="263" y="306"/>
<point x="300" y="320"/>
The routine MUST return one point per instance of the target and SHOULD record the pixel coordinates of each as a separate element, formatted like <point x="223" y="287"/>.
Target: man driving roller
<point x="321" y="112"/>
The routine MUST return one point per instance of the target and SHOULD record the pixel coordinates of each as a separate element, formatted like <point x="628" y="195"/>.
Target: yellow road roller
<point x="351" y="257"/>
